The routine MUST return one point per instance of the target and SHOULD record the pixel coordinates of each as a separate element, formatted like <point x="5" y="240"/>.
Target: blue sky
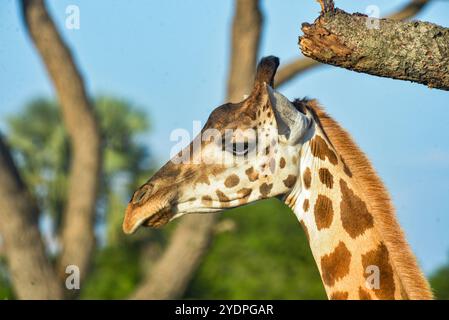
<point x="170" y="59"/>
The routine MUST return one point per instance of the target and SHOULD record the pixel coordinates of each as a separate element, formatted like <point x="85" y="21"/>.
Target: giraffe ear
<point x="291" y="123"/>
<point x="266" y="69"/>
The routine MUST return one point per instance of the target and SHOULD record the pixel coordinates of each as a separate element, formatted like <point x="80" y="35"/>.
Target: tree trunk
<point x="246" y="30"/>
<point x="171" y="275"/>
<point x="31" y="273"/>
<point x="414" y="51"/>
<point x="78" y="239"/>
<point x="173" y="271"/>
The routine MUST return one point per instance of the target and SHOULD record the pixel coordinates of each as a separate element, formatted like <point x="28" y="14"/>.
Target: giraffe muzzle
<point x="148" y="208"/>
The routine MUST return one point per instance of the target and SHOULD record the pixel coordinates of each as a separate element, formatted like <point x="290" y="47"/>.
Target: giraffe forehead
<point x="238" y="115"/>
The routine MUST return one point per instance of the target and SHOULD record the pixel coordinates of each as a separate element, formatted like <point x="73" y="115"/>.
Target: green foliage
<point x="115" y="273"/>
<point x="439" y="282"/>
<point x="267" y="256"/>
<point x="41" y="147"/>
<point x="5" y="285"/>
<point x="38" y="139"/>
<point x="42" y="151"/>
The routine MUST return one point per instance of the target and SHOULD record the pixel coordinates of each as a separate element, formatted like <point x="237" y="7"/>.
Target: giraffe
<point x="267" y="146"/>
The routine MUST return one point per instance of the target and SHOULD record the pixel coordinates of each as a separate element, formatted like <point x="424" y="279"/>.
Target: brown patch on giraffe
<point x="306" y="231"/>
<point x="267" y="149"/>
<point x="364" y="295"/>
<point x="265" y="189"/>
<point x="244" y="195"/>
<point x="355" y="217"/>
<point x="252" y="174"/>
<point x="282" y="163"/>
<point x="321" y="150"/>
<point x="295" y="160"/>
<point x="339" y="295"/>
<point x="324" y="212"/>
<point x="379" y="257"/>
<point x="224" y="200"/>
<point x="307" y="178"/>
<point x="206" y="200"/>
<point x="346" y="169"/>
<point x="290" y="181"/>
<point x="203" y="178"/>
<point x="272" y="165"/>
<point x="326" y="177"/>
<point x="232" y="181"/>
<point x="335" y="265"/>
<point x="306" y="205"/>
<point x="204" y="173"/>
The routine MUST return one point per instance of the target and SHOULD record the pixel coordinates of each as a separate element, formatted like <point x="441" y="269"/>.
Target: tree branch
<point x="172" y="273"/>
<point x="298" y="66"/>
<point x="414" y="51"/>
<point x="292" y="69"/>
<point x="409" y="10"/>
<point x="78" y="238"/>
<point x="31" y="273"/>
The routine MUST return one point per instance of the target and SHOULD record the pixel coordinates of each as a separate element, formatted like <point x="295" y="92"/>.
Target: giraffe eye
<point x="240" y="149"/>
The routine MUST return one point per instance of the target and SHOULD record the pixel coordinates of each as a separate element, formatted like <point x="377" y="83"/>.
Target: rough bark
<point x="77" y="235"/>
<point x="414" y="51"/>
<point x="300" y="65"/>
<point x="172" y="273"/>
<point x="31" y="273"/>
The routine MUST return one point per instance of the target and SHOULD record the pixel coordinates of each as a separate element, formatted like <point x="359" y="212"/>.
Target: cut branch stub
<point x="414" y="51"/>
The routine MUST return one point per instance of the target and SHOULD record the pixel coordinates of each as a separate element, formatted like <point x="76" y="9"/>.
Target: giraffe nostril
<point x="142" y="194"/>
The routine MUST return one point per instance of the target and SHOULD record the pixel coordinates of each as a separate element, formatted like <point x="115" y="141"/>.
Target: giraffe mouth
<point x="135" y="218"/>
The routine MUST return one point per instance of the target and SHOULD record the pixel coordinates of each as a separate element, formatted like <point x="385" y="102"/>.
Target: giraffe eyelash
<point x="239" y="148"/>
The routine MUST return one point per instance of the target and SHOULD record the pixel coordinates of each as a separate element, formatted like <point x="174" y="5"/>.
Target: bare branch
<point x="173" y="271"/>
<point x="294" y="68"/>
<point x="78" y="238"/>
<point x="414" y="51"/>
<point x="298" y="66"/>
<point x="31" y="273"/>
<point x="409" y="10"/>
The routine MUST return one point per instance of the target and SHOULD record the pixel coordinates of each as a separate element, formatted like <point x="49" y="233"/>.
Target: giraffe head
<point x="246" y="151"/>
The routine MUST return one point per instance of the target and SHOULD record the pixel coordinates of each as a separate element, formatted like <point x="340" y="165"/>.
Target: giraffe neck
<point x="354" y="257"/>
<point x="345" y="245"/>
